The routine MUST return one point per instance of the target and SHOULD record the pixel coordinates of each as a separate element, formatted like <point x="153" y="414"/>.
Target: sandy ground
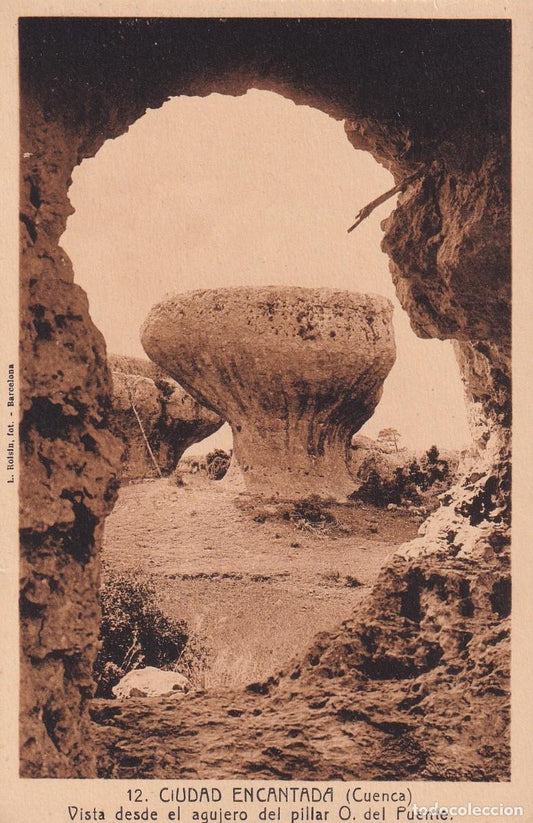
<point x="254" y="581"/>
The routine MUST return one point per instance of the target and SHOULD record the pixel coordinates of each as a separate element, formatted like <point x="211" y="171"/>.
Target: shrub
<point x="217" y="463"/>
<point x="166" y="388"/>
<point x="311" y="515"/>
<point x="436" y="470"/>
<point x="134" y="632"/>
<point x="312" y="511"/>
<point x="176" y="478"/>
<point x="406" y="485"/>
<point x="381" y="491"/>
<point x="371" y="490"/>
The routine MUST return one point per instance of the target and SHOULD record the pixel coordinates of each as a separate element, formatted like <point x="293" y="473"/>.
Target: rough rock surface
<point x="294" y="371"/>
<point x="149" y="681"/>
<point x="416" y="94"/>
<point x="68" y="472"/>
<point x="172" y="420"/>
<point x="413" y="686"/>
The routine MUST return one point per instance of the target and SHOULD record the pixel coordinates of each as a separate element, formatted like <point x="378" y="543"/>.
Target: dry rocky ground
<point x="254" y="581"/>
<point x="310" y="678"/>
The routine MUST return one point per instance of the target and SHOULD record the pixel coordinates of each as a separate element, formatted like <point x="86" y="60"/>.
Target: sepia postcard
<point x="266" y="421"/>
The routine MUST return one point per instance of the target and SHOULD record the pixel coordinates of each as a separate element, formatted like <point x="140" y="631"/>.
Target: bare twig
<point x="150" y="452"/>
<point x="367" y="210"/>
<point x="132" y="651"/>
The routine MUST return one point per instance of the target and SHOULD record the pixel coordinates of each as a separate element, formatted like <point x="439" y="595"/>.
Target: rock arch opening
<point x="224" y="191"/>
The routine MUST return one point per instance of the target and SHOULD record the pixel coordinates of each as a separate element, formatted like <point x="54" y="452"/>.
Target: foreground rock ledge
<point x="414" y="686"/>
<point x="294" y="371"/>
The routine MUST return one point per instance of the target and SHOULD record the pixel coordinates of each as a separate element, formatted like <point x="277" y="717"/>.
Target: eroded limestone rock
<point x="408" y="104"/>
<point x="294" y="371"/>
<point x="172" y="420"/>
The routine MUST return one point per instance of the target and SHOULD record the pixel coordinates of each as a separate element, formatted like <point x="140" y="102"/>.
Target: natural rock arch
<point x="415" y="107"/>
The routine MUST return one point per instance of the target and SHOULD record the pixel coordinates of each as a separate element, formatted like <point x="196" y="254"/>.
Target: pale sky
<point x="222" y="191"/>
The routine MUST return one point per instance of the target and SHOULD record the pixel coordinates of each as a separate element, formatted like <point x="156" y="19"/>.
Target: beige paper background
<point x="46" y="800"/>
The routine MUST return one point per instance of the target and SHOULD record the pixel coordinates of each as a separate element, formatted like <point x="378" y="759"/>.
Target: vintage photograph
<point x="265" y="398"/>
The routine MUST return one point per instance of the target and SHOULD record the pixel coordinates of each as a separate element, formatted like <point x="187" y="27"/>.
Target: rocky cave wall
<point x="421" y="96"/>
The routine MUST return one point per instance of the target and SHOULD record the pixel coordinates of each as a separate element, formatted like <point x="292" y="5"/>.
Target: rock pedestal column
<point x="294" y="371"/>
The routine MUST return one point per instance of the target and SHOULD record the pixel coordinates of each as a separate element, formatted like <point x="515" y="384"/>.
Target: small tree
<point x="399" y="483"/>
<point x="389" y="438"/>
<point x="435" y="469"/>
<point x="416" y="475"/>
<point x="432" y="455"/>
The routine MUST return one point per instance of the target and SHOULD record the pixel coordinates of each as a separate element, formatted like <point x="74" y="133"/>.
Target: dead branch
<point x="149" y="448"/>
<point x="131" y="652"/>
<point x="367" y="210"/>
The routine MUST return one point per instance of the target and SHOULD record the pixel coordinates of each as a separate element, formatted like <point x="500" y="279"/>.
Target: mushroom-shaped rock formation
<point x="295" y="372"/>
<point x="144" y="396"/>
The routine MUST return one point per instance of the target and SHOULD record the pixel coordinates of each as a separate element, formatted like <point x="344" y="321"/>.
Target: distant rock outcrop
<point x="294" y="371"/>
<point x="151" y="409"/>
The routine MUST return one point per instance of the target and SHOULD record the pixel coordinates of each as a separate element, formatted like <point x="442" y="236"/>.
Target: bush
<point x="134" y="632"/>
<point x="401" y="489"/>
<point x="310" y="514"/>
<point x="372" y="490"/>
<point x="176" y="478"/>
<point x="406" y="485"/>
<point x="436" y="470"/>
<point x="217" y="463"/>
